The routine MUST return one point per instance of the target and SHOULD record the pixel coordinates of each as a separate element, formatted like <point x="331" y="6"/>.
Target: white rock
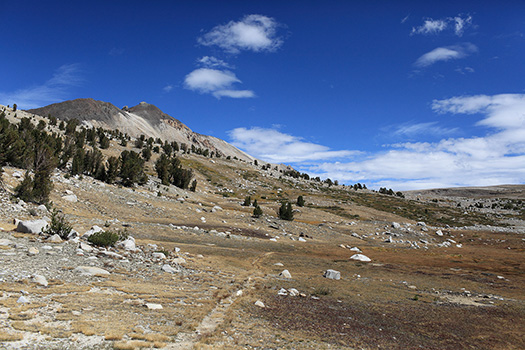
<point x="93" y="230"/>
<point x="301" y="239"/>
<point x="70" y="198"/>
<point x="153" y="306"/>
<point x="293" y="292"/>
<point x="332" y="274"/>
<point x="259" y="304"/>
<point x="169" y="269"/>
<point x="283" y="292"/>
<point x="54" y="239"/>
<point x="355" y="249"/>
<point x="278" y="264"/>
<point x="128" y="244"/>
<point x="396" y="225"/>
<point x="6" y="242"/>
<point x="22" y="300"/>
<point x="179" y="261"/>
<point x="86" y="247"/>
<point x="33" y="251"/>
<point x="91" y="270"/>
<point x="439" y="233"/>
<point x="17" y="174"/>
<point x="285" y="274"/>
<point x="239" y="293"/>
<point x="216" y="208"/>
<point x="360" y="257"/>
<point x="32" y="226"/>
<point x="40" y="280"/>
<point x="158" y="255"/>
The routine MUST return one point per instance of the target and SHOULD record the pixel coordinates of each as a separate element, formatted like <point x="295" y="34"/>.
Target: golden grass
<point x="8" y="336"/>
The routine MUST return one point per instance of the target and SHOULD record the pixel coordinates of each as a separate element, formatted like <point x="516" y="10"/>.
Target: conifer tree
<point x="300" y="201"/>
<point x="257" y="212"/>
<point x="285" y="211"/>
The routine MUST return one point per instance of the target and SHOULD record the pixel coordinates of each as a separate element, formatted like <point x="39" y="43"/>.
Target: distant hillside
<point x="143" y="118"/>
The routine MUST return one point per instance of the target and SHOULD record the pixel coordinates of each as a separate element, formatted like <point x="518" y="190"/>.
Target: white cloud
<point x="253" y="32"/>
<point x="209" y="80"/>
<point x="435" y="26"/>
<point x="216" y="82"/>
<point x="53" y="90"/>
<point x="234" y="93"/>
<point x="445" y="54"/>
<point x="430" y="26"/>
<point x="277" y="147"/>
<point x="495" y="158"/>
<point x="212" y="62"/>
<point x="460" y="24"/>
<point x="422" y="129"/>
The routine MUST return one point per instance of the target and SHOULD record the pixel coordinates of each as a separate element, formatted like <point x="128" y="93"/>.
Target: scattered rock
<point x="54" y="239"/>
<point x="6" y="242"/>
<point x="360" y="257"/>
<point x="396" y="225"/>
<point x="153" y="306"/>
<point x="169" y="269"/>
<point x="93" y="230"/>
<point x="70" y="198"/>
<point x="23" y="300"/>
<point x="333" y="274"/>
<point x="285" y="274"/>
<point x="86" y="247"/>
<point x="32" y="226"/>
<point x="158" y="255"/>
<point x="91" y="270"/>
<point x="33" y="251"/>
<point x="355" y="249"/>
<point x="439" y="233"/>
<point x="282" y="292"/>
<point x="40" y="280"/>
<point x="260" y="304"/>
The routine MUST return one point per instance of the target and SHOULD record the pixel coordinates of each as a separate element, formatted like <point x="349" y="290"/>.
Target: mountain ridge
<point x="142" y="119"/>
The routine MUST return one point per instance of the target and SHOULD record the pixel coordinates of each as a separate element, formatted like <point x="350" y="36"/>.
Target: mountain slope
<point x="143" y="118"/>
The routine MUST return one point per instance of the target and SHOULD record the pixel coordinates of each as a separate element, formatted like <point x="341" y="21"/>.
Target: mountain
<point x="143" y="118"/>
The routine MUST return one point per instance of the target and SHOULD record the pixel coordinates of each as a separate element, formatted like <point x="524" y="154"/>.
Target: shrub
<point x="300" y="201"/>
<point x="104" y="238"/>
<point x="247" y="201"/>
<point x="59" y="225"/>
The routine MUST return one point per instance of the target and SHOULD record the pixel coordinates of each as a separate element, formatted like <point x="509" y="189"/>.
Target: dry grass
<point x="9" y="336"/>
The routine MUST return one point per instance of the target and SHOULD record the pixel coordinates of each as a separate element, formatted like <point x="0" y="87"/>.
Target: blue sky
<point x="400" y="94"/>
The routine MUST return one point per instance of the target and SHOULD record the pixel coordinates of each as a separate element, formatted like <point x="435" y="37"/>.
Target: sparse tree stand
<point x="286" y="212"/>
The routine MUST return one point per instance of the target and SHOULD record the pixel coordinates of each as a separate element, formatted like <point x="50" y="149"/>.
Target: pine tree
<point x="247" y="201"/>
<point x="285" y="211"/>
<point x="24" y="189"/>
<point x="300" y="201"/>
<point x="162" y="166"/>
<point x="193" y="186"/>
<point x="112" y="169"/>
<point x="131" y="169"/>
<point x="257" y="212"/>
<point x="255" y="204"/>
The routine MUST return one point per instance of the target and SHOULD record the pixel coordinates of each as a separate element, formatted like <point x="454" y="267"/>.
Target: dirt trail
<point x="216" y="317"/>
